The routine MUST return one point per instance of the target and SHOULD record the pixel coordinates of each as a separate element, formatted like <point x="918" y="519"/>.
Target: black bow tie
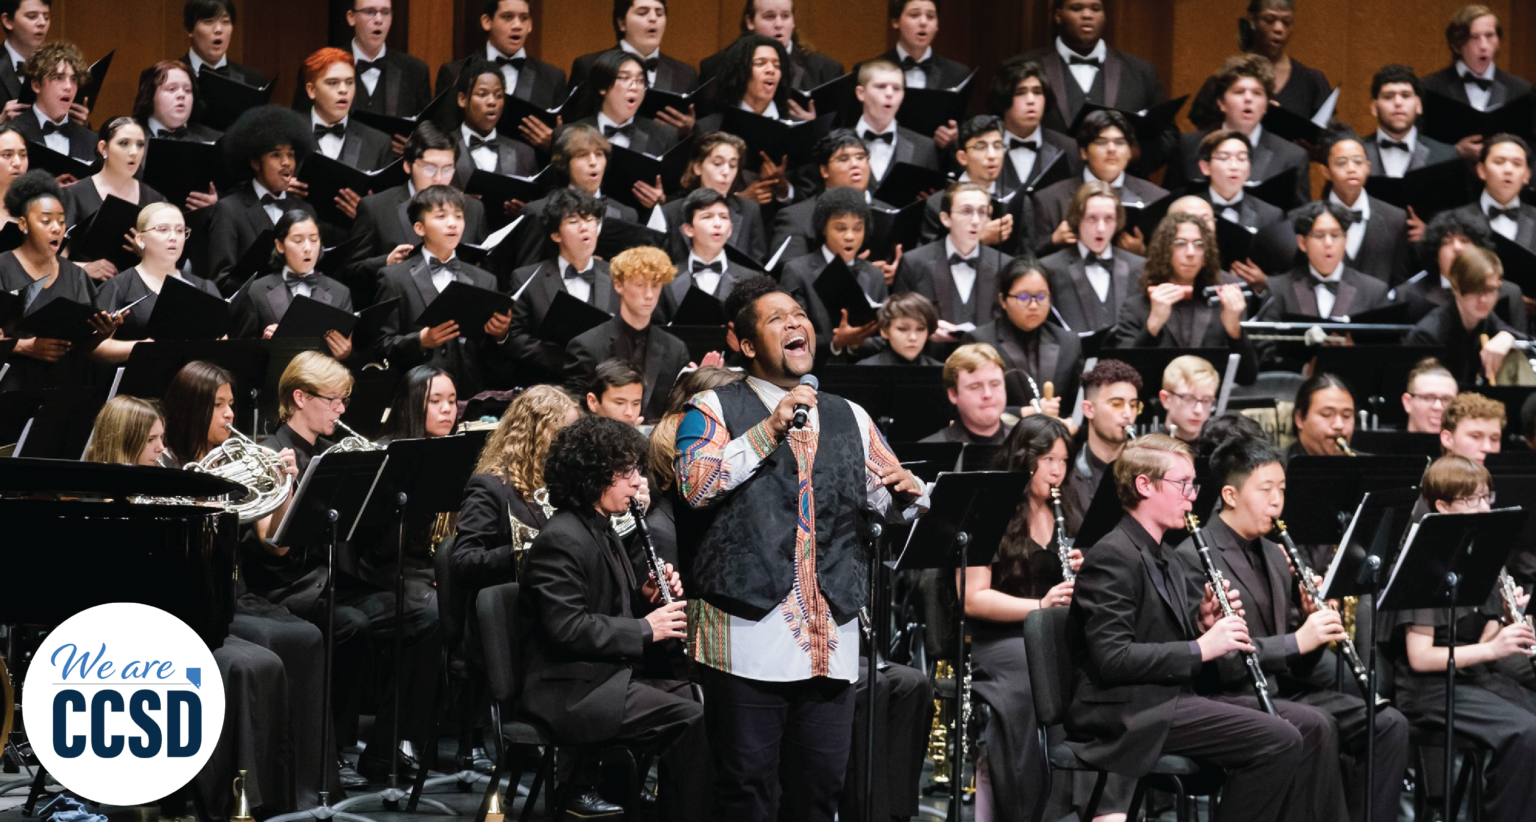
<point x="224" y="69"/>
<point x="273" y="199"/>
<point x="955" y="259"/>
<point x="293" y="280"/>
<point x="1090" y="258"/>
<point x="889" y="138"/>
<point x="435" y="265"/>
<point x="475" y="141"/>
<point x="364" y="66"/>
<point x="1075" y="60"/>
<point x="1481" y="82"/>
<point x="651" y="63"/>
<point x="1356" y="216"/>
<point x="1386" y="144"/>
<point x="53" y="128"/>
<point x="514" y="62"/>
<point x="173" y="134"/>
<point x="590" y="275"/>
<point x="699" y="266"/>
<point x="908" y="63"/>
<point x="19" y="65"/>
<point x="338" y="130"/>
<point x="628" y="130"/>
<point x="1331" y="285"/>
<point x="1032" y="145"/>
<point x="1494" y="213"/>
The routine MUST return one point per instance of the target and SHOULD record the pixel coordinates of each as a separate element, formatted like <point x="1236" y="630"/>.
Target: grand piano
<point x="71" y="539"/>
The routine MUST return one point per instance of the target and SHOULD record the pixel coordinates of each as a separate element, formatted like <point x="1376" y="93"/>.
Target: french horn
<point x="352" y="442"/>
<point x="266" y="480"/>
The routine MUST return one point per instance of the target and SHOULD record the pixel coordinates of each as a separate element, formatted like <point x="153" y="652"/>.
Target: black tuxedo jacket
<point x="1525" y="232"/>
<point x="944" y="73"/>
<point x="236" y="221"/>
<point x="913" y="148"/>
<point x="797" y="224"/>
<point x="672" y="295"/>
<point x="1423" y="293"/>
<point x="1051" y="202"/>
<point x="535" y="287"/>
<point x="264" y="300"/>
<point x="665" y="357"/>
<point x="1076" y="304"/>
<point x="806" y="69"/>
<point x="671" y="74"/>
<point x="1272" y="156"/>
<point x="10" y="81"/>
<point x="799" y="279"/>
<point x="382" y="223"/>
<point x="1061" y="359"/>
<point x="1133" y="644"/>
<point x="470" y="360"/>
<point x="888" y="356"/>
<point x="1385" y="253"/>
<point x="1506" y="86"/>
<point x="537" y="82"/>
<point x="534" y="245"/>
<point x="1251" y="211"/>
<point x="1055" y="147"/>
<point x="512" y="157"/>
<point x="82" y="141"/>
<point x="579" y="646"/>
<point x="649" y="136"/>
<point x="925" y="270"/>
<point x="365" y="148"/>
<point x="1125" y="82"/>
<point x="403" y="90"/>
<point x="1427" y="151"/>
<point x="1293" y="293"/>
<point x="748" y="233"/>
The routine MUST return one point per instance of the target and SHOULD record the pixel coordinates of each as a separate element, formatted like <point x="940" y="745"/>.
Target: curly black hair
<point x="741" y="304"/>
<point x="586" y="455"/>
<point x="736" y="71"/>
<point x="29" y="188"/>
<point x="262" y="129"/>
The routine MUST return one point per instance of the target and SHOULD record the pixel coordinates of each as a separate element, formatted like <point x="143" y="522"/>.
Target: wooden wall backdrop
<point x="1185" y="39"/>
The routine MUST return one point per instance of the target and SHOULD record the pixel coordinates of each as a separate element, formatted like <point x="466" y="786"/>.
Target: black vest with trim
<point x="745" y="563"/>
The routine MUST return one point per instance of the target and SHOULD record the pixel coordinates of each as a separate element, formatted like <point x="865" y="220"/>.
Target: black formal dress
<point x="473" y="360"/>
<point x="592" y="667"/>
<point x="1123" y="81"/>
<point x="235" y="223"/>
<point x="1462" y="356"/>
<point x="799" y="279"/>
<point x="540" y="360"/>
<point x="928" y="270"/>
<point x="659" y="356"/>
<point x="1271" y="156"/>
<point x="1133" y="628"/>
<point x="71" y="283"/>
<point x="129" y="286"/>
<point x="748" y="233"/>
<point x="1073" y="298"/>
<point x="264" y="301"/>
<point x="1048" y="354"/>
<point x="82" y="200"/>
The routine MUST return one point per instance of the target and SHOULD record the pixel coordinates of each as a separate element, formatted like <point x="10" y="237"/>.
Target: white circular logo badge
<point x="123" y="704"/>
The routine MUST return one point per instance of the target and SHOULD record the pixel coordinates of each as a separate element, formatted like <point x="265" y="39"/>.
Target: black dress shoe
<point x="350" y="778"/>
<point x="376" y="768"/>
<point x="589" y="805"/>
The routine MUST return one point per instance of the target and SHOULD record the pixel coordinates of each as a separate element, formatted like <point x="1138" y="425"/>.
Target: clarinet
<point x="1219" y="588"/>
<point x="1309" y="585"/>
<point x="1512" y="611"/>
<point x="1130" y="432"/>
<point x="658" y="568"/>
<point x="1063" y="542"/>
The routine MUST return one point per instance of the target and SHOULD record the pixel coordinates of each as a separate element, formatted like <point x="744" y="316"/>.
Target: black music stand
<point x="1515" y="481"/>
<point x="1455" y="562"/>
<point x="905" y="401"/>
<point x="420" y="475"/>
<point x="1323" y="491"/>
<point x="1397" y="442"/>
<point x="967" y="516"/>
<point x="1373" y="535"/>
<point x="332" y="491"/>
<point x="929" y="459"/>
<point x="59" y="429"/>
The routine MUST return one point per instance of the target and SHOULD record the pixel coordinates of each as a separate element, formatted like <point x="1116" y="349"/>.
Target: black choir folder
<point x="516" y="109"/>
<point x="1149" y="124"/>
<point x="829" y="97"/>
<point x="327" y="178"/>
<point x="906" y="183"/>
<point x="308" y="317"/>
<point x="87" y="90"/>
<point x="468" y="305"/>
<point x="775" y="138"/>
<point x="627" y="167"/>
<point x="925" y="109"/>
<point x="699" y="308"/>
<point x="839" y="290"/>
<point x="495" y="189"/>
<point x="176" y="168"/>
<point x="227" y="98"/>
<point x="41" y="156"/>
<point x="186" y="312"/>
<point x="1449" y="120"/>
<point x="569" y="318"/>
<point x="403" y="126"/>
<point x="1428" y="190"/>
<point x="657" y="99"/>
<point x="58" y="319"/>
<point x="104" y="237"/>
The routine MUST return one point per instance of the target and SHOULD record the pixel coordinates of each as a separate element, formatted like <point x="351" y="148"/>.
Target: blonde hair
<point x="313" y="373"/>
<point x="122" y="430"/>
<point x="969" y="357"/>
<point x="147" y="215"/>
<point x="663" y="448"/>
<point x="1146" y="456"/>
<point x="643" y="262"/>
<point x="1190" y="370"/>
<point x="516" y="450"/>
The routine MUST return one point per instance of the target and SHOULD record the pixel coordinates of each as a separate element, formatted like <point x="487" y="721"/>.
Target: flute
<point x="1219" y="588"/>
<point x="1309" y="585"/>
<point x="653" y="559"/>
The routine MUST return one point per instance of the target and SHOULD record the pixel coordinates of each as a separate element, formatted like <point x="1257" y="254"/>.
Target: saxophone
<point x="1344" y="447"/>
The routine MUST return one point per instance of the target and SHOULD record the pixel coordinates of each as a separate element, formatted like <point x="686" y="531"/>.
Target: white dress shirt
<point x="1227" y="209"/>
<point x="484" y="157"/>
<point x="604" y="123"/>
<point x="300" y="289"/>
<point x="1095" y="270"/>
<point x="965" y="177"/>
<point x="1325" y="298"/>
<point x="441" y="277"/>
<point x="16" y="57"/>
<point x="575" y="286"/>
<point x="708" y="281"/>
<point x="1504" y="225"/>
<point x="1478" y="97"/>
<point x="1356" y="233"/>
<point x="915" y="77"/>
<point x="198" y="62"/>
<point x="650" y="74"/>
<point x="274" y="211"/>
<point x="1394" y="161"/>
<point x="509" y="73"/>
<point x="56" y="141"/>
<point x="370" y="78"/>
<point x="771" y="112"/>
<point x="1084" y="75"/>
<point x="880" y="152"/>
<point x="330" y="144"/>
<point x="1023" y="159"/>
<point x="964" y="274"/>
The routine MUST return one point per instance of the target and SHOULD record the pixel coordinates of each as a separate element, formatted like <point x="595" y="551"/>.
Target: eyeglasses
<point x="1120" y="403"/>
<point x="1110" y="142"/>
<point x="171" y="230"/>
<point x="1182" y="244"/>
<point x="380" y="13"/>
<point x="631" y="80"/>
<point x="1434" y="399"/>
<point x="431" y="170"/>
<point x="344" y="402"/>
<point x="985" y="145"/>
<point x="1027" y="299"/>
<point x="968" y="213"/>
<point x="1472" y="502"/>
<point x="1326" y="236"/>
<point x="1189" y="489"/>
<point x="1191" y="399"/>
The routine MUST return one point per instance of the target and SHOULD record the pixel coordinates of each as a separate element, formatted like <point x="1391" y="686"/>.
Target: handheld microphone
<point x="803" y="411"/>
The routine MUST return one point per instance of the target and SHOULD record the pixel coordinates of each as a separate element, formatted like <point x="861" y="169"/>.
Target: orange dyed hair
<point x="317" y="64"/>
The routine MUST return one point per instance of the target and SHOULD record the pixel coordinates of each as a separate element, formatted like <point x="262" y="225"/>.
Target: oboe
<point x="1308" y="584"/>
<point x="658" y="568"/>
<point x="1219" y="588"/>
<point x="1063" y="542"/>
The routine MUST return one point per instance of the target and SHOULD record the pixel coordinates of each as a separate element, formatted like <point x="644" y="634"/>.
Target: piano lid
<point x="33" y="476"/>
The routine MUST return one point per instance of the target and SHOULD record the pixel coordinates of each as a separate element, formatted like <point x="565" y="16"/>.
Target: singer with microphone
<point x="777" y="479"/>
<point x="595" y="630"/>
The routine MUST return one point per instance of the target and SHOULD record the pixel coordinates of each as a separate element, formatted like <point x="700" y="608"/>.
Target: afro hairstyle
<point x="262" y="129"/>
